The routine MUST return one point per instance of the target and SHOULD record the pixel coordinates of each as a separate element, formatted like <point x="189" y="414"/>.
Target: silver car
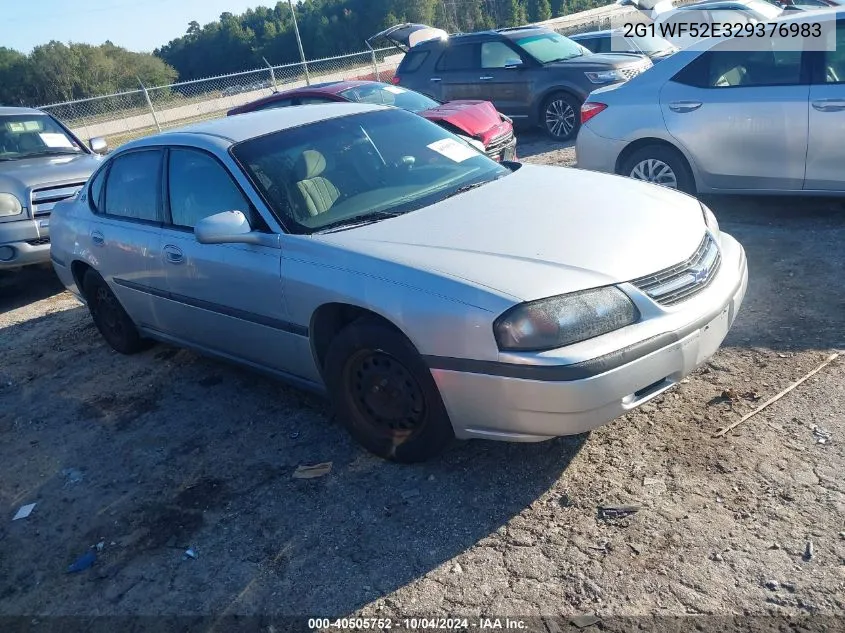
<point x="41" y="163"/>
<point x="728" y="116"/>
<point x="364" y="251"/>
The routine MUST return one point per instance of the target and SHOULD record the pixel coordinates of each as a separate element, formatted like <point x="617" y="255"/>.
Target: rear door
<point x="826" y="147"/>
<point x="456" y="74"/>
<point x="503" y="82"/>
<point x="226" y="298"/>
<point x="124" y="236"/>
<point x="742" y="114"/>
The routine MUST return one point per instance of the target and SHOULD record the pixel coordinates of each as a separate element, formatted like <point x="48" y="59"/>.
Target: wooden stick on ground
<point x="722" y="431"/>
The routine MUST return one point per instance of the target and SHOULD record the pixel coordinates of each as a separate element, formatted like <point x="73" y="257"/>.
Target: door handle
<point x="684" y="106"/>
<point x="829" y="105"/>
<point x="435" y="79"/>
<point x="97" y="238"/>
<point x="486" y="78"/>
<point x="173" y="254"/>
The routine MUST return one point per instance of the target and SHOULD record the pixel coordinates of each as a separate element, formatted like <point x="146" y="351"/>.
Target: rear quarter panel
<point x="70" y="224"/>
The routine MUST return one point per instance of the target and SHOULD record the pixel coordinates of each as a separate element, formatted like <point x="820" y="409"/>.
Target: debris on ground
<point x="72" y="476"/>
<point x="615" y="512"/>
<point x="823" y="436"/>
<point x="722" y="431"/>
<point x="312" y="471"/>
<point x="808" y="551"/>
<point x="649" y="481"/>
<point x="24" y="511"/>
<point x="583" y="621"/>
<point x="637" y="549"/>
<point x="772" y="585"/>
<point x="294" y="435"/>
<point x="82" y="563"/>
<point x="751" y="395"/>
<point x="457" y="569"/>
<point x="730" y="394"/>
<point x="189" y="553"/>
<point x="100" y="546"/>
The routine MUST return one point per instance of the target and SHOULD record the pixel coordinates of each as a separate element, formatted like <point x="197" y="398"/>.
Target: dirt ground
<point x="149" y="455"/>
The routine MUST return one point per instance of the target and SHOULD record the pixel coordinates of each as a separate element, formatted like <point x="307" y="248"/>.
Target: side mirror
<point x="228" y="227"/>
<point x="99" y="145"/>
<point x="513" y="63"/>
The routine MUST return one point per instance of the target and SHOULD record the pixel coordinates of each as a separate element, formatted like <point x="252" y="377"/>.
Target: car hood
<point x="540" y="231"/>
<point x="45" y="171"/>
<point x="478" y="119"/>
<point x="600" y="61"/>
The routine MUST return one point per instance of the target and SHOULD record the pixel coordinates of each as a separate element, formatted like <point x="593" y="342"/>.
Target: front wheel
<point x="384" y="393"/>
<point x="561" y="116"/>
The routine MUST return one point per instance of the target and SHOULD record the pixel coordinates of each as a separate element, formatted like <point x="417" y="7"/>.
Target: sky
<point x="139" y="25"/>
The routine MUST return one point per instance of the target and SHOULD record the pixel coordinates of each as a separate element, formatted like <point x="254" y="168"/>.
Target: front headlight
<point x="604" y="76"/>
<point x="9" y="205"/>
<point x="710" y="220"/>
<point x="558" y="321"/>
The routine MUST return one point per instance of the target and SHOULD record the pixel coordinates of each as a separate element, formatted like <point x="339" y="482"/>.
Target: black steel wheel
<point x="110" y="318"/>
<point x="384" y="393"/>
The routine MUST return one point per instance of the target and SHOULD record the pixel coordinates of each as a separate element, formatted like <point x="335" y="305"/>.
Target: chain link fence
<point x="128" y="115"/>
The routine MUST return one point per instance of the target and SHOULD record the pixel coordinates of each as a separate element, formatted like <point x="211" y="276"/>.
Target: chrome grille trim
<point x="675" y="284"/>
<point x="43" y="200"/>
<point x="498" y="144"/>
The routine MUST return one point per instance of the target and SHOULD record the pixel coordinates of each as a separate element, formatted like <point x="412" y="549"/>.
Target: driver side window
<point x="834" y="63"/>
<point x="497" y="55"/>
<point x="199" y="186"/>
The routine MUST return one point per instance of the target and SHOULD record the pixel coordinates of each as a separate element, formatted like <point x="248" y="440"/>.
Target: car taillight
<point x="395" y="80"/>
<point x="591" y="109"/>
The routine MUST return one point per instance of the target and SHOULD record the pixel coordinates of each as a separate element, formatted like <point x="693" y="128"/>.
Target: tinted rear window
<point x="412" y="61"/>
<point x="459" y="57"/>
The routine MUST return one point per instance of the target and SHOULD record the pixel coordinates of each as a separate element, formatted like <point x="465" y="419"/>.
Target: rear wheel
<point x="561" y="116"/>
<point x="110" y="317"/>
<point x="660" y="165"/>
<point x="384" y="393"/>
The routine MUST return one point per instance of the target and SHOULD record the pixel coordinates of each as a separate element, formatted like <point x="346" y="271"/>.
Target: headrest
<point x="310" y="164"/>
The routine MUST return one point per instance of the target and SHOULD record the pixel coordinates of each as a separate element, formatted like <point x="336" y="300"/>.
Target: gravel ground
<point x="151" y="454"/>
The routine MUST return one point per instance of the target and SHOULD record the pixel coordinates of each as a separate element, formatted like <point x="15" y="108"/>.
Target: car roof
<point x="235" y="129"/>
<point x="510" y="33"/>
<point x="328" y="87"/>
<point x="7" y="110"/>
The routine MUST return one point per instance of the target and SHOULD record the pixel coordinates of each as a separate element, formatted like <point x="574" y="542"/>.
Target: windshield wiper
<point x="563" y="59"/>
<point x="52" y="152"/>
<point x="470" y="187"/>
<point x="358" y="220"/>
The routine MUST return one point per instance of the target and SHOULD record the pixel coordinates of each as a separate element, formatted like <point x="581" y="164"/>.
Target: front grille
<point x="678" y="283"/>
<point x="629" y="72"/>
<point x="498" y="144"/>
<point x="39" y="241"/>
<point x="43" y="200"/>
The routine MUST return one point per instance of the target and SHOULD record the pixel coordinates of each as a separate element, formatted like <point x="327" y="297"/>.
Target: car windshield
<point x="385" y="94"/>
<point x="765" y="9"/>
<point x="30" y="135"/>
<point x="346" y="171"/>
<point x="550" y="47"/>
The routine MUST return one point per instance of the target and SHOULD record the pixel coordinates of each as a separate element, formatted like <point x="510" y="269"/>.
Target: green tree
<point x="539" y="10"/>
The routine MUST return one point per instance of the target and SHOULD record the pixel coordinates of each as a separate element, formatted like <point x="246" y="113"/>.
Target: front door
<point x="742" y="115"/>
<point x="225" y="298"/>
<point x="506" y="84"/>
<point x="826" y="150"/>
<point x="124" y="236"/>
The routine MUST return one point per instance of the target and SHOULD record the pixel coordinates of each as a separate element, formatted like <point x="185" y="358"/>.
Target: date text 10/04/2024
<point x="416" y="624"/>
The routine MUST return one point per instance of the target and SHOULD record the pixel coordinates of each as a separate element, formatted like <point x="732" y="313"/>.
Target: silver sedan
<point x="433" y="293"/>
<point x="734" y="115"/>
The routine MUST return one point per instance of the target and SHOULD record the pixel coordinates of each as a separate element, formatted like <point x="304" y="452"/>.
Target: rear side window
<point x="412" y="61"/>
<point x="591" y="43"/>
<point x="722" y="67"/>
<point x="277" y="103"/>
<point x="459" y="57"/>
<point x="132" y="186"/>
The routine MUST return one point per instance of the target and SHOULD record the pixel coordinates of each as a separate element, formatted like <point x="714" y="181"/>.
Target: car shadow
<point x="27" y="285"/>
<point x="795" y="264"/>
<point x="174" y="451"/>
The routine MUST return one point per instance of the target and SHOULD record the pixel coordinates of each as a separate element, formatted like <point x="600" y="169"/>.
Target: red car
<point x="476" y="121"/>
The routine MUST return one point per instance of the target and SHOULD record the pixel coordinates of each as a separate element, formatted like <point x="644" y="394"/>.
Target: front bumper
<point x="503" y="407"/>
<point x="24" y="243"/>
<point x="596" y="153"/>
